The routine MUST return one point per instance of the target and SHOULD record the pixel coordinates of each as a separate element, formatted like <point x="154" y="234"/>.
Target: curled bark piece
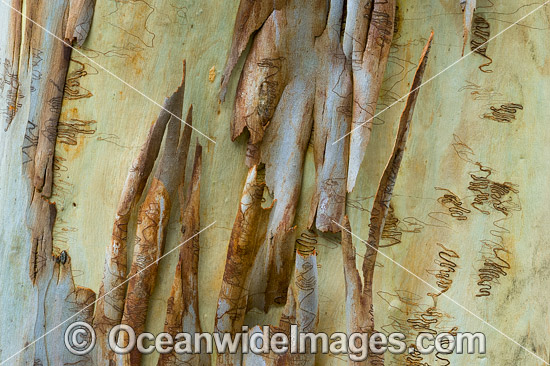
<point x="367" y="81"/>
<point x="79" y="21"/>
<point x="359" y="303"/>
<point x="152" y="221"/>
<point x="250" y="17"/>
<point x="468" y="8"/>
<point x="261" y="83"/>
<point x="11" y="64"/>
<point x="182" y="314"/>
<point x="110" y="304"/>
<point x="332" y="119"/>
<point x="358" y="15"/>
<point x="243" y="246"/>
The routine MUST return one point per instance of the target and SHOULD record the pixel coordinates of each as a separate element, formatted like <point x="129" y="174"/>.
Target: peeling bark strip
<point x="261" y="84"/>
<point x="468" y="8"/>
<point x="153" y="219"/>
<point x="241" y="253"/>
<point x="182" y="314"/>
<point x="359" y="303"/>
<point x="332" y="119"/>
<point x="9" y="78"/>
<point x="368" y="74"/>
<point x="250" y="17"/>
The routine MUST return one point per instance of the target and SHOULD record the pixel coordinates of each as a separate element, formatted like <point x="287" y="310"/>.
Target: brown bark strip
<point x="359" y="296"/>
<point x="152" y="222"/>
<point x="332" y="119"/>
<point x="368" y="74"/>
<point x="182" y="314"/>
<point x="40" y="139"/>
<point x="384" y="193"/>
<point x="241" y="253"/>
<point x="250" y="17"/>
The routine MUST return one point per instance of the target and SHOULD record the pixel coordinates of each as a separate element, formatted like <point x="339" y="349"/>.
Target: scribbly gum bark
<point x="250" y="17"/>
<point x="359" y="294"/>
<point x="79" y="21"/>
<point x="281" y="104"/>
<point x="295" y="97"/>
<point x="262" y="82"/>
<point x="357" y="20"/>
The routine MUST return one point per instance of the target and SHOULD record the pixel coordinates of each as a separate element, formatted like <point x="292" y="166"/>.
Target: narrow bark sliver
<point x="182" y="314"/>
<point x="359" y="295"/>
